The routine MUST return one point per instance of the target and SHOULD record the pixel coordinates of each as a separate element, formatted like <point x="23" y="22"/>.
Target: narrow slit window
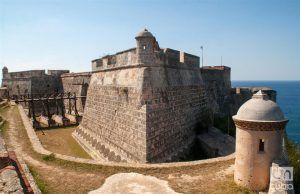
<point x="144" y="47"/>
<point x="261" y="145"/>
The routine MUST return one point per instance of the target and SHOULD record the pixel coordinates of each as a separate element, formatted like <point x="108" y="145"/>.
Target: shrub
<point x="49" y="157"/>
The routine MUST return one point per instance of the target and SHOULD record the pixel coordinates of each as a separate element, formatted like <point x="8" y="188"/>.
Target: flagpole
<point x="202" y="55"/>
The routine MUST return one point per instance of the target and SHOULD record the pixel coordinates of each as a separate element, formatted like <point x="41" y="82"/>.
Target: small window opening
<point x="261" y="145"/>
<point x="144" y="47"/>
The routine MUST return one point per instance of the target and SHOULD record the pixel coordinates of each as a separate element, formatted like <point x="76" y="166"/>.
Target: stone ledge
<point x="37" y="146"/>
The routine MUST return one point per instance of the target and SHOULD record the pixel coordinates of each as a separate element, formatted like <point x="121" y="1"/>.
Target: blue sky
<point x="259" y="40"/>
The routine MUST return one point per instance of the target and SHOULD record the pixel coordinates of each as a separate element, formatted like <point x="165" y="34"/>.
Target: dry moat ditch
<point x="57" y="175"/>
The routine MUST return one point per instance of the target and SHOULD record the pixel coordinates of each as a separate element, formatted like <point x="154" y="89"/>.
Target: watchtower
<point x="260" y="127"/>
<point x="4" y="71"/>
<point x="145" y="47"/>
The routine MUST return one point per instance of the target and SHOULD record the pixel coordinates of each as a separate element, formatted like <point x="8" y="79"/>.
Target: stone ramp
<point x="133" y="183"/>
<point x="215" y="143"/>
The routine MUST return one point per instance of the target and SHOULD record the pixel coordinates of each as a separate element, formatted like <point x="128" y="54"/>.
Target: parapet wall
<point x="24" y="74"/>
<point x="163" y="57"/>
<point x="32" y="82"/>
<point x="240" y="95"/>
<point x="218" y="85"/>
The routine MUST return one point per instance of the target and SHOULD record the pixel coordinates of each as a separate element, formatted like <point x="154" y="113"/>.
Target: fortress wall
<point x="176" y="102"/>
<point x="124" y="58"/>
<point x="127" y="57"/>
<point x="57" y="72"/>
<point x="240" y="95"/>
<point x="142" y="114"/>
<point x="114" y="119"/>
<point x="77" y="83"/>
<point x="17" y="86"/>
<point x="24" y="74"/>
<point x="218" y="84"/>
<point x="172" y="57"/>
<point x="190" y="60"/>
<point x="45" y="85"/>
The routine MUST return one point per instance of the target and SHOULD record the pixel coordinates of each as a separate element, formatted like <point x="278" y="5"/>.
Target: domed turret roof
<point x="260" y="108"/>
<point x="144" y="33"/>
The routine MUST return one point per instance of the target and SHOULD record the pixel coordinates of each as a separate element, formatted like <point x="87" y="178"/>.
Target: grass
<point x="61" y="141"/>
<point x="38" y="180"/>
<point x="234" y="188"/>
<point x="54" y="175"/>
<point x="49" y="157"/>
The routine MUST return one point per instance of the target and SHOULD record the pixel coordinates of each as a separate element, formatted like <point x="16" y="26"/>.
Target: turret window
<point x="261" y="145"/>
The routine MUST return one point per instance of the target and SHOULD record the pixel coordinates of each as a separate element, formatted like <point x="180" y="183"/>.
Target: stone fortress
<point x="143" y="104"/>
<point x="146" y="105"/>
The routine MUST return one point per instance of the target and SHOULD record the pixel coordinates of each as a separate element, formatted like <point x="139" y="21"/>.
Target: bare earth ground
<point x="61" y="141"/>
<point x="59" y="176"/>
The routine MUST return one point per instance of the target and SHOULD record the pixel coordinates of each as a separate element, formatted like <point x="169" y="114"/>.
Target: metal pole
<point x="202" y="55"/>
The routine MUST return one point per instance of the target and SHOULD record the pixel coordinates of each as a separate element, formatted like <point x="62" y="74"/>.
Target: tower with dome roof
<point x="260" y="125"/>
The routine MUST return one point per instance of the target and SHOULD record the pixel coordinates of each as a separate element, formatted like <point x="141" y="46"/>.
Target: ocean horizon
<point x="288" y="98"/>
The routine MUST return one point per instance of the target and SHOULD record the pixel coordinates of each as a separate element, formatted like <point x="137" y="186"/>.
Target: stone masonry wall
<point x="143" y="113"/>
<point x="77" y="83"/>
<point x="114" y="119"/>
<point x="242" y="94"/>
<point x="176" y="102"/>
<point x="32" y="82"/>
<point x="218" y="85"/>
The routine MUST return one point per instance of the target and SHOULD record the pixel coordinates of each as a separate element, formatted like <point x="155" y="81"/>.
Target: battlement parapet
<point x="221" y="67"/>
<point x="124" y="58"/>
<point x="189" y="59"/>
<point x="162" y="57"/>
<point x="76" y="74"/>
<point x="57" y="72"/>
<point x="23" y="74"/>
<point x="32" y="73"/>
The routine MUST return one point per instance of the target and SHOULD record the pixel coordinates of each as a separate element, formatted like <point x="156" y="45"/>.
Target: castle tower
<point x="145" y="47"/>
<point x="4" y="71"/>
<point x="260" y="127"/>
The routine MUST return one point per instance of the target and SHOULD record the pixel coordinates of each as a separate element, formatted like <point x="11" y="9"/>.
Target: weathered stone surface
<point x="32" y="82"/>
<point x="144" y="108"/>
<point x="215" y="143"/>
<point x="9" y="181"/>
<point x="133" y="183"/>
<point x="218" y="86"/>
<point x="76" y="83"/>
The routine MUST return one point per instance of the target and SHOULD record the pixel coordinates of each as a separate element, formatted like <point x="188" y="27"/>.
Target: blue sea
<point x="288" y="98"/>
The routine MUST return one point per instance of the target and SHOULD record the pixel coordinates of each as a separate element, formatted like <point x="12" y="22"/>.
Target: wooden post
<point x="75" y="104"/>
<point x="75" y="107"/>
<point x="62" y="106"/>
<point x="70" y="104"/>
<point x="29" y="106"/>
<point x="57" y="105"/>
<point x="48" y="111"/>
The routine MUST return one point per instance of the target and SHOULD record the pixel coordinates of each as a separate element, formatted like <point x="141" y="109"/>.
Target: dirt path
<point x="65" y="177"/>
